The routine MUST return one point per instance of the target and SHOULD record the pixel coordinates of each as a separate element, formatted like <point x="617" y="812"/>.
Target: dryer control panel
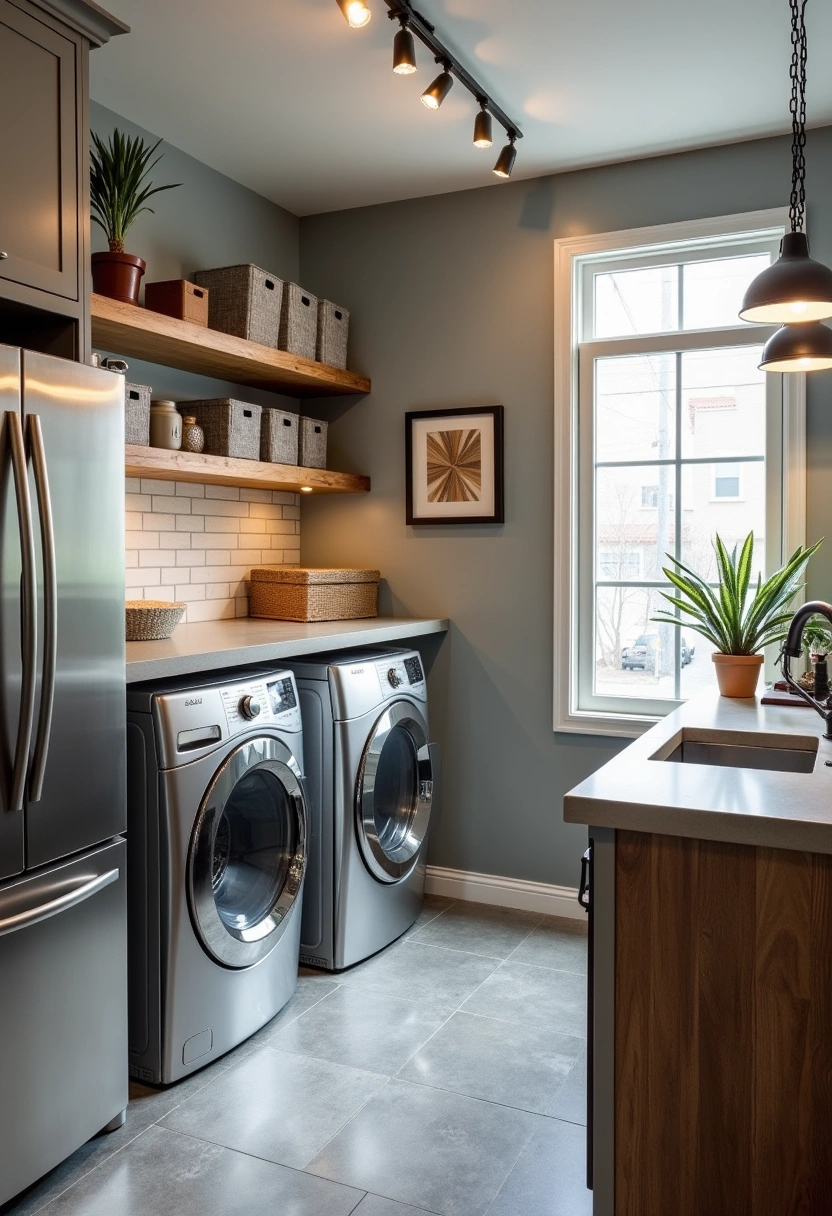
<point x="273" y="699"/>
<point x="195" y="720"/>
<point x="401" y="673"/>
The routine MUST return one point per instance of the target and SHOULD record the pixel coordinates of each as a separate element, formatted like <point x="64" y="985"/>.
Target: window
<point x="727" y="480"/>
<point x="667" y="433"/>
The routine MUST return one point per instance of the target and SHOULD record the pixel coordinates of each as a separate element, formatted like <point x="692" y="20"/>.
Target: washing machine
<point x="218" y="831"/>
<point x="372" y="774"/>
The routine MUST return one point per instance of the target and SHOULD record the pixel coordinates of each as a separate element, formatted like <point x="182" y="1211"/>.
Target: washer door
<point x="394" y="793"/>
<point x="248" y="853"/>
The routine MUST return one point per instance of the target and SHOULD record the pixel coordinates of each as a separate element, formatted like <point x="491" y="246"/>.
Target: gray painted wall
<point x="451" y="301"/>
<point x="209" y="221"/>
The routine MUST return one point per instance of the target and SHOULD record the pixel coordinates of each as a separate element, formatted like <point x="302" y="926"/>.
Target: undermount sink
<point x="759" y="751"/>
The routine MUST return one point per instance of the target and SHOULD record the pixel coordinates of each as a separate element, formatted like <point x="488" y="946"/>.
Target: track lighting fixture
<point x="404" y="52"/>
<point x="413" y="25"/>
<point x="356" y="12"/>
<point x="482" y="128"/>
<point x="506" y="159"/>
<point x="796" y="291"/>
<point x="799" y="348"/>
<point x="438" y="89"/>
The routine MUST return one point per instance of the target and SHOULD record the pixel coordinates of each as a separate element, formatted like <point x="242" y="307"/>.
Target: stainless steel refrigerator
<point x="63" y="970"/>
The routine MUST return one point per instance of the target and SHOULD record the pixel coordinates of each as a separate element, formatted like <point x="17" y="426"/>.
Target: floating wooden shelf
<point x="126" y="329"/>
<point x="226" y="471"/>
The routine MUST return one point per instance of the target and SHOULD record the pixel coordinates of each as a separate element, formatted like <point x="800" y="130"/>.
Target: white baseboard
<point x="504" y="892"/>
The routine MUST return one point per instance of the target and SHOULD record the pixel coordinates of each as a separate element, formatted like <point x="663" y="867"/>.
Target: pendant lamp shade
<point x="799" y="348"/>
<point x="404" y="53"/>
<point x="795" y="289"/>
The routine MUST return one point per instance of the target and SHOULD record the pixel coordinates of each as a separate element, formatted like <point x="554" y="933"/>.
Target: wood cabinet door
<point x="38" y="155"/>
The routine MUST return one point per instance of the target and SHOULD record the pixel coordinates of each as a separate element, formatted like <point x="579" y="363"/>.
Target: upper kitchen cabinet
<point x="44" y="204"/>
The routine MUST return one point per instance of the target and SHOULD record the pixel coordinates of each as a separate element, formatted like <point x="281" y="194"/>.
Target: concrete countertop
<point x="216" y="645"/>
<point x="638" y="791"/>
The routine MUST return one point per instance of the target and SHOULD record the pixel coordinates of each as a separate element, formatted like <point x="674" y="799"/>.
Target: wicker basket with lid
<point x="291" y="593"/>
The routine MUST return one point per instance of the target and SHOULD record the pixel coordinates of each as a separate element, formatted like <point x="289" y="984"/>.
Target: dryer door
<point x="247" y="856"/>
<point x="394" y="793"/>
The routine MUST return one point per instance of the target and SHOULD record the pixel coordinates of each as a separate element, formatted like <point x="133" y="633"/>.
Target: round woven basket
<point x="151" y="620"/>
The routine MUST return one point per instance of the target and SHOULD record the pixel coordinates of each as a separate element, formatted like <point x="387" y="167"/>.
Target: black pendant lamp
<point x="799" y="348"/>
<point x="796" y="290"/>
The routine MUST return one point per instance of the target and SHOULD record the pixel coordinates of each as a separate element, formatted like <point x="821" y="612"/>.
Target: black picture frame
<point x="498" y="515"/>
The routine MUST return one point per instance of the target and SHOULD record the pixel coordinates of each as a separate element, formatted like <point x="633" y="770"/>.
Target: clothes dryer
<point x="218" y="829"/>
<point x="372" y="775"/>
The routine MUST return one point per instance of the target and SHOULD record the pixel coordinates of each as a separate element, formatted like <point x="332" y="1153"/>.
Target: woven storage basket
<point x="312" y="443"/>
<point x="178" y="298"/>
<point x="232" y="428"/>
<point x="298" y="321"/>
<point x="278" y="436"/>
<point x="151" y="620"/>
<point x="244" y="301"/>
<point x="333" y="330"/>
<point x="137" y="413"/>
<point x="286" y="593"/>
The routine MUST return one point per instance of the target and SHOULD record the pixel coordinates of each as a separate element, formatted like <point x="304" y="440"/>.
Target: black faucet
<point x="793" y="648"/>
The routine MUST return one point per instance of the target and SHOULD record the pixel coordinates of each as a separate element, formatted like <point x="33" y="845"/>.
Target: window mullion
<point x="677" y="503"/>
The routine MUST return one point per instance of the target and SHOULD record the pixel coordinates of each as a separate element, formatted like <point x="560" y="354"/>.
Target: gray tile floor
<point x="446" y="1075"/>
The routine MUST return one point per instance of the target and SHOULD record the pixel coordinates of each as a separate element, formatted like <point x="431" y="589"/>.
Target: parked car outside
<point x="640" y="655"/>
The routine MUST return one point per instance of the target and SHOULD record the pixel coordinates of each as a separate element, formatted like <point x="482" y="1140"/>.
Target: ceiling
<point x="284" y="97"/>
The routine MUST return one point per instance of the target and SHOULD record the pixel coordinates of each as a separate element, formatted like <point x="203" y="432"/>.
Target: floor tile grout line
<point x="514" y="1022"/>
<point x="305" y="1168"/>
<point x="97" y="1166"/>
<point x="523" y="1110"/>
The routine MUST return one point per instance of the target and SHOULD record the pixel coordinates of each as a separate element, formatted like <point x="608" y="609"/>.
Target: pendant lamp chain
<point x="797" y="204"/>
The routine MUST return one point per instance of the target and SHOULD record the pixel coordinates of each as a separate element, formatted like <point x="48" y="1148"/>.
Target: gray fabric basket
<point x="312" y="445"/>
<point x="278" y="436"/>
<point x="244" y="301"/>
<point x="232" y="428"/>
<point x="333" y="330"/>
<point x="298" y="321"/>
<point x="137" y="413"/>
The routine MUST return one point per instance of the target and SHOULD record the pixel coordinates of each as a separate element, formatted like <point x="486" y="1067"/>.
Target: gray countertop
<point x="216" y="645"/>
<point x="639" y="791"/>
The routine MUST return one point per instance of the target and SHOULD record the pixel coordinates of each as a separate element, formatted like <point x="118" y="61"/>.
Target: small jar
<point x="193" y="436"/>
<point x="165" y="425"/>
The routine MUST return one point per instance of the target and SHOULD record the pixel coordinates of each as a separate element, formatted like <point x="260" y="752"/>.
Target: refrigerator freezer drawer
<point x="63" y="1011"/>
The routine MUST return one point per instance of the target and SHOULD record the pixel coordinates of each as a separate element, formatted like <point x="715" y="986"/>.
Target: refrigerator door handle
<point x="61" y="903"/>
<point x="28" y="612"/>
<point x="50" y="608"/>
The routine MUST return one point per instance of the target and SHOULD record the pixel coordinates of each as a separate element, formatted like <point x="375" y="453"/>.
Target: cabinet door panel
<point x="38" y="183"/>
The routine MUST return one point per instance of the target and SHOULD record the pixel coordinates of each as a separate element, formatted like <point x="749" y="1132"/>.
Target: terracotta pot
<point x="737" y="674"/>
<point x="118" y="275"/>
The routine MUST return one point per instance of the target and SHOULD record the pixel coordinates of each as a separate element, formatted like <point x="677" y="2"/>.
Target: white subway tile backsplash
<point x="198" y="543"/>
<point x="229" y="493"/>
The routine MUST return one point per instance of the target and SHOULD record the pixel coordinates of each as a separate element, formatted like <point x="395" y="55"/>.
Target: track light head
<point x="404" y="52"/>
<point x="356" y="12"/>
<point x="438" y="90"/>
<point x="506" y="159"/>
<point x="482" y="128"/>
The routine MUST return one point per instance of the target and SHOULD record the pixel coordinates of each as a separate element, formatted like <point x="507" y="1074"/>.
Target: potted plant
<point x="119" y="191"/>
<point x="737" y="619"/>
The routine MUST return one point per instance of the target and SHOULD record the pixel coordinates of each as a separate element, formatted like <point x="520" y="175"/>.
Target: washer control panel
<point x="401" y="673"/>
<point x="269" y="699"/>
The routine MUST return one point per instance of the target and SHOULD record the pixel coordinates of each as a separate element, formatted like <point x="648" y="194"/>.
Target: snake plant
<point x="735" y="621"/>
<point x="119" y="189"/>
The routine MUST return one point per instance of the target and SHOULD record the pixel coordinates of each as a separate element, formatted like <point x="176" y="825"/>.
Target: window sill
<point x="614" y="726"/>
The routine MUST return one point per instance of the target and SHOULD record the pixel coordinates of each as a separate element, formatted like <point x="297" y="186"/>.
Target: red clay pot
<point x="118" y="275"/>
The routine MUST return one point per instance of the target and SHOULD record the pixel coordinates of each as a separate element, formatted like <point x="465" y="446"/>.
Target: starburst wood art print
<point x="455" y="466"/>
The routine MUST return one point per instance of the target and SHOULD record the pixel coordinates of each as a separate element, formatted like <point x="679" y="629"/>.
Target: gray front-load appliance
<point x="217" y="813"/>
<point x="372" y="775"/>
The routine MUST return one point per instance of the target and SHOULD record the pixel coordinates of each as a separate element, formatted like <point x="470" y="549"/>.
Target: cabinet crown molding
<point x="86" y="18"/>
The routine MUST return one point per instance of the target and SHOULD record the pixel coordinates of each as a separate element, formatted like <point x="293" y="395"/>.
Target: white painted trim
<point x="754" y="224"/>
<point x="504" y="892"/>
<point x="794" y="462"/>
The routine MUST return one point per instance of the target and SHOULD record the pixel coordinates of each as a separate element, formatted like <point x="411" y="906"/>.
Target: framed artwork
<point x="455" y="466"/>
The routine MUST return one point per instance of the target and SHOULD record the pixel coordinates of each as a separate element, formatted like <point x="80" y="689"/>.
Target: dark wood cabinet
<point x="44" y="192"/>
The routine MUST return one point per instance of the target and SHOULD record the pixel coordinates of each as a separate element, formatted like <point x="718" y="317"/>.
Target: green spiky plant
<point x="734" y="621"/>
<point x="119" y="188"/>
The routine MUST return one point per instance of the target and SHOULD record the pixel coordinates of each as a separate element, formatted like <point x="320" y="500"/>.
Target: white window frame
<point x="786" y="444"/>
